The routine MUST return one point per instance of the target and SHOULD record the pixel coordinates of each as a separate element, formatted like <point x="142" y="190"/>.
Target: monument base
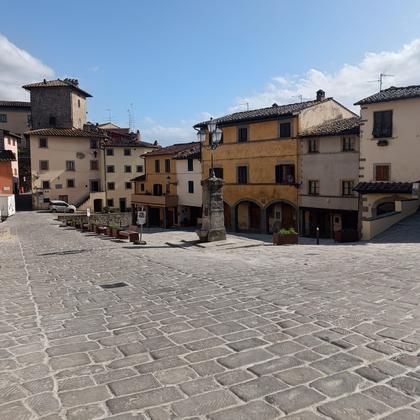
<point x="213" y="220"/>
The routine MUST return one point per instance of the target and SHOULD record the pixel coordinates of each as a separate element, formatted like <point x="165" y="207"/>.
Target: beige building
<point x="389" y="151"/>
<point x="329" y="170"/>
<point x="15" y="116"/>
<point x="10" y="141"/>
<point x="189" y="190"/>
<point x="122" y="160"/>
<point x="67" y="165"/>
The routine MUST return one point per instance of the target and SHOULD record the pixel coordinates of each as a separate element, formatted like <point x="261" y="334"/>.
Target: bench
<point x="131" y="233"/>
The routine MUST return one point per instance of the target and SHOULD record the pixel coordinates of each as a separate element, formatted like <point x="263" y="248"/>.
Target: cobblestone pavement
<point x="234" y="330"/>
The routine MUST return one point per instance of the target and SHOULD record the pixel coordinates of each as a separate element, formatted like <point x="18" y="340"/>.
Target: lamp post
<point x="215" y="137"/>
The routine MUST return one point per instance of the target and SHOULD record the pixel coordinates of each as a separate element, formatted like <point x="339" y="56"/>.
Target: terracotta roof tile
<point x="15" y="104"/>
<point x="175" y="150"/>
<point x="263" y="113"/>
<point x="334" y="128"/>
<point x="383" y="187"/>
<point x="392" y="94"/>
<point x="65" y="132"/>
<point x="73" y="83"/>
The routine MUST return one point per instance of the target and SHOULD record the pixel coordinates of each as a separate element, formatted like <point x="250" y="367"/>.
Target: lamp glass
<point x="211" y="125"/>
<point x="217" y="136"/>
<point x="201" y="135"/>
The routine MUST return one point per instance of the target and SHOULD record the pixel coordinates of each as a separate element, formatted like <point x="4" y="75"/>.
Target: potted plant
<point x="285" y="237"/>
<point x="114" y="230"/>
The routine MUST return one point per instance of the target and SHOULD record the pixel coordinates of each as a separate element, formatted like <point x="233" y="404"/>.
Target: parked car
<point x="58" y="206"/>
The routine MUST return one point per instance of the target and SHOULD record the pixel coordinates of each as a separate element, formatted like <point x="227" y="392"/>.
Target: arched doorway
<point x="248" y="216"/>
<point x="281" y="215"/>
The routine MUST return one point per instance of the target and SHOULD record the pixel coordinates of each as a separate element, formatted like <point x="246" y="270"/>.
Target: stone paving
<point x="234" y="330"/>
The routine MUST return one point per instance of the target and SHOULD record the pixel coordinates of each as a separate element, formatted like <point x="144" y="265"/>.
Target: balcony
<point x="155" y="200"/>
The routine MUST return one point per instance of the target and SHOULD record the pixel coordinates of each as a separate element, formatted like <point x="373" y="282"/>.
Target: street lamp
<point x="215" y="137"/>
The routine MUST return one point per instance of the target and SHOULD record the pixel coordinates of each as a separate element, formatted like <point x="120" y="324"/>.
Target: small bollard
<point x="317" y="235"/>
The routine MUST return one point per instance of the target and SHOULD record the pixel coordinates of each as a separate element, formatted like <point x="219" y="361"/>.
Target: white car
<point x="58" y="206"/>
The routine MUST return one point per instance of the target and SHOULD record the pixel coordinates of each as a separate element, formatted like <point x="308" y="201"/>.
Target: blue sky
<point x="178" y="61"/>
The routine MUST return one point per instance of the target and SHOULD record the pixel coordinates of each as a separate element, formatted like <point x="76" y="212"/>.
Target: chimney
<point x="138" y="137"/>
<point x="320" y="95"/>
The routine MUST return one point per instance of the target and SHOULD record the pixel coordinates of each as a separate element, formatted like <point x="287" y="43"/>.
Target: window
<point x="52" y="121"/>
<point x="29" y="120"/>
<point x="242" y="174"/>
<point x="70" y="183"/>
<point x="58" y="186"/>
<point x="94" y="165"/>
<point x="313" y="146"/>
<point x="347" y="187"/>
<point x="218" y="172"/>
<point x="70" y="165"/>
<point x="43" y="165"/>
<point x="127" y="169"/>
<point x="313" y="187"/>
<point x="14" y="171"/>
<point x="128" y="185"/>
<point x="285" y="174"/>
<point x="242" y="134"/>
<point x="285" y="130"/>
<point x="157" y="165"/>
<point x="95" y="185"/>
<point x="382" y="124"/>
<point x="45" y="185"/>
<point x="348" y="144"/>
<point x="382" y="173"/>
<point x="139" y="168"/>
<point x="78" y="103"/>
<point x="141" y="187"/>
<point x="111" y="185"/>
<point x="93" y="143"/>
<point x="191" y="187"/>
<point x="43" y="143"/>
<point x="110" y="169"/>
<point x="157" y="189"/>
<point x="64" y="198"/>
<point x="167" y="165"/>
<point x="9" y="141"/>
<point x="127" y="152"/>
<point x="190" y="165"/>
<point x="110" y="202"/>
<point x="3" y="118"/>
<point x="110" y="152"/>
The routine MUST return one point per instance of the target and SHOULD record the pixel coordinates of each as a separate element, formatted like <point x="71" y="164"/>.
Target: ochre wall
<point x="263" y="151"/>
<point x="6" y="178"/>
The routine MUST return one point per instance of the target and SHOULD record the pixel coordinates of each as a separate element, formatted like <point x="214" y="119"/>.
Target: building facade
<point x="15" y="116"/>
<point x="122" y="159"/>
<point x="157" y="190"/>
<point x="10" y="141"/>
<point x="258" y="160"/>
<point x="389" y="150"/>
<point x="7" y="158"/>
<point x="329" y="170"/>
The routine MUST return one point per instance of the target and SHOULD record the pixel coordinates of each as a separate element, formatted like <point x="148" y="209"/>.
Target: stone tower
<point x="57" y="104"/>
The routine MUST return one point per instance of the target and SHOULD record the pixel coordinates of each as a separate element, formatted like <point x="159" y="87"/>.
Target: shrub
<point x="285" y="232"/>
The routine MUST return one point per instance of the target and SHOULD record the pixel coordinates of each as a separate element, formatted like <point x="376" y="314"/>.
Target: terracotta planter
<point x="346" y="235"/>
<point x="109" y="231"/>
<point x="285" y="239"/>
<point x="114" y="232"/>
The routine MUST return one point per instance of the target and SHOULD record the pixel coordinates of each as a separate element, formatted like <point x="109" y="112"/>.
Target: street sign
<point x="88" y="212"/>
<point x="141" y="217"/>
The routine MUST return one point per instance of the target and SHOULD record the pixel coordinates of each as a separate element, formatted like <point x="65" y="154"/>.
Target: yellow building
<point x="258" y="160"/>
<point x="156" y="191"/>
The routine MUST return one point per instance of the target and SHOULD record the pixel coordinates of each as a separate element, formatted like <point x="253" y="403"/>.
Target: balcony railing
<point x="155" y="200"/>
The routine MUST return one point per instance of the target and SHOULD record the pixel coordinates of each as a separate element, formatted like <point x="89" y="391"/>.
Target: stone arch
<point x="248" y="215"/>
<point x="384" y="200"/>
<point x="280" y="214"/>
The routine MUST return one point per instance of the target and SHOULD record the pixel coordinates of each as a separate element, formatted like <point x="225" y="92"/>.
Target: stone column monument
<point x="213" y="220"/>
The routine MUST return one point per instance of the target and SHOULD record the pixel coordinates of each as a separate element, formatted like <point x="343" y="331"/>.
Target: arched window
<point x="383" y="208"/>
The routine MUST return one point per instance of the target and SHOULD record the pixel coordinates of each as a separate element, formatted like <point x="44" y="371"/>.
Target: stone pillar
<point x="213" y="220"/>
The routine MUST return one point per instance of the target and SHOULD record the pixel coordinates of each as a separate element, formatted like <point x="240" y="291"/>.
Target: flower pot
<point x="285" y="239"/>
<point x="109" y="231"/>
<point x="114" y="232"/>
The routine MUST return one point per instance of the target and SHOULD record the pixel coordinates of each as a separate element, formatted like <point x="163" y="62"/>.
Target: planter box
<point x="114" y="232"/>
<point x="346" y="235"/>
<point x="285" y="239"/>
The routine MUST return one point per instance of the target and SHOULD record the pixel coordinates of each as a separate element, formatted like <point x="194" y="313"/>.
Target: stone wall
<point x="119" y="219"/>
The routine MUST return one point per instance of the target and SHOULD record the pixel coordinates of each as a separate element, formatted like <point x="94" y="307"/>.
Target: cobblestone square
<point x="232" y="330"/>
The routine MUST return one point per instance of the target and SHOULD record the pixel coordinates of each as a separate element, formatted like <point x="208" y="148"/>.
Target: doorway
<point x="97" y="205"/>
<point x="123" y="205"/>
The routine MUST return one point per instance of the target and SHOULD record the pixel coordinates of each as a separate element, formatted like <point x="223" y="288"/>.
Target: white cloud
<point x="18" y="67"/>
<point x="167" y="135"/>
<point x="347" y="85"/>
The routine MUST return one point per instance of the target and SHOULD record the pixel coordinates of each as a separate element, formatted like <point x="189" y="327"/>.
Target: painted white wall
<point x="183" y="176"/>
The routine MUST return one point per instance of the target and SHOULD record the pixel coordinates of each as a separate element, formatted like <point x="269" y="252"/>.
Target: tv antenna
<point x="300" y="97"/>
<point x="381" y="80"/>
<point x="109" y="114"/>
<point x="131" y="118"/>
<point x="245" y="103"/>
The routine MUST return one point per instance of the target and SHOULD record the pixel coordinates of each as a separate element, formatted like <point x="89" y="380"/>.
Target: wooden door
<point x="288" y="217"/>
